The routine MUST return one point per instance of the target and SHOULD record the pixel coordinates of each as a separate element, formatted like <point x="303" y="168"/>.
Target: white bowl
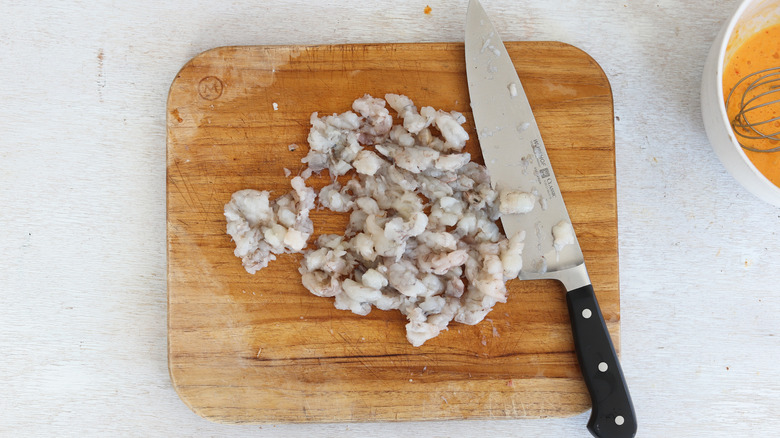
<point x="750" y="17"/>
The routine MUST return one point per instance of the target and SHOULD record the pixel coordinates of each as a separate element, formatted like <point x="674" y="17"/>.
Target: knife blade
<point x="517" y="161"/>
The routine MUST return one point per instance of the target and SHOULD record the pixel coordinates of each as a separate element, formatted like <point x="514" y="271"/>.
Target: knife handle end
<point x="613" y="414"/>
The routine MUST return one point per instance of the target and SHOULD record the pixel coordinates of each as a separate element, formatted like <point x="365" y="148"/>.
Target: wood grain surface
<point x="260" y="348"/>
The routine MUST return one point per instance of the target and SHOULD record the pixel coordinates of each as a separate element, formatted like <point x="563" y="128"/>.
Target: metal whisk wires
<point x="762" y="91"/>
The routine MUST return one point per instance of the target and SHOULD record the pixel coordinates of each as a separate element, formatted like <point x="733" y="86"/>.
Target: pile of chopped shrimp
<point x="422" y="236"/>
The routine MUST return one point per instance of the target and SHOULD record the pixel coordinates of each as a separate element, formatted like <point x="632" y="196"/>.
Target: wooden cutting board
<point x="260" y="348"/>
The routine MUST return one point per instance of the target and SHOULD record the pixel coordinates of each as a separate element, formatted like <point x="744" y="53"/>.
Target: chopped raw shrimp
<point x="421" y="236"/>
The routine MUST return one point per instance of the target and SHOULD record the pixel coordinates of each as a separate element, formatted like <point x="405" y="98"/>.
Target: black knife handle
<point x="613" y="414"/>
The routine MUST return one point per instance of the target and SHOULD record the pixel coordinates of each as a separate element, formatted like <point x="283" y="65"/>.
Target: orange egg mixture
<point x="759" y="52"/>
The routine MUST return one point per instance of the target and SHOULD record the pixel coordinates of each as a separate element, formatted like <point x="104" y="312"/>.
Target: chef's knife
<point x="517" y="161"/>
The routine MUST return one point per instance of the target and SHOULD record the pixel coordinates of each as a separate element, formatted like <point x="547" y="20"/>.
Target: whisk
<point x="762" y="91"/>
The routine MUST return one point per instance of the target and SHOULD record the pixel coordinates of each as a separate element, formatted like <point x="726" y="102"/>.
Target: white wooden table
<point x="82" y="211"/>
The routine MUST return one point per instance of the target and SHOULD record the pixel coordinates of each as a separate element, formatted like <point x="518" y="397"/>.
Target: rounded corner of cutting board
<point x="207" y="56"/>
<point x="586" y="56"/>
<point x="184" y="398"/>
<point x="195" y="404"/>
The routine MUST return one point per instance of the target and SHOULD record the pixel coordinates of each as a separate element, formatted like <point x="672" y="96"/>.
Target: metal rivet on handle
<point x="619" y="420"/>
<point x="603" y="367"/>
<point x="587" y="313"/>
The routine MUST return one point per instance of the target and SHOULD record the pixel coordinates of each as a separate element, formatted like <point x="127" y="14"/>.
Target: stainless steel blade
<point x="515" y="155"/>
